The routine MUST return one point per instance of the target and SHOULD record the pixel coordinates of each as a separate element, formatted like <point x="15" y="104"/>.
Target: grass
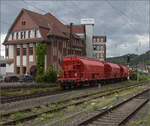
<point x="89" y="106"/>
<point x="48" y="84"/>
<point x="18" y="115"/>
<point x="30" y="91"/>
<point x="100" y="103"/>
<point x="86" y="107"/>
<point x="144" y="122"/>
<point x="47" y="116"/>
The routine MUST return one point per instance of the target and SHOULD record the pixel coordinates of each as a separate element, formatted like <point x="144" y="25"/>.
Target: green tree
<point x="40" y="60"/>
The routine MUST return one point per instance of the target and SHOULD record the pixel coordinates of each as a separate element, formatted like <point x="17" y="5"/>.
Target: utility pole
<point x="128" y="62"/>
<point x="70" y="40"/>
<point x="137" y="64"/>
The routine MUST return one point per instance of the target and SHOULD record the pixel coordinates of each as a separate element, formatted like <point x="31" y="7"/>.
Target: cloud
<point x="2" y="47"/>
<point x="125" y="23"/>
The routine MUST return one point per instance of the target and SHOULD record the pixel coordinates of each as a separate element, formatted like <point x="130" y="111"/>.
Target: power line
<point x="124" y="16"/>
<point x="34" y="6"/>
<point x="122" y="13"/>
<point x="4" y="22"/>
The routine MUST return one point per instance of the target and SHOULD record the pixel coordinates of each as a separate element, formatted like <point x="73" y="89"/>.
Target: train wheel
<point x="75" y="86"/>
<point x="70" y="86"/>
<point x="63" y="86"/>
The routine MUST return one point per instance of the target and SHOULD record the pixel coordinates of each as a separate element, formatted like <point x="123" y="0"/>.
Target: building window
<point x="102" y="39"/>
<point x="97" y="40"/>
<point x="12" y="36"/>
<point x="23" y="22"/>
<point x="18" y="70"/>
<point x="102" y="48"/>
<point x="17" y="35"/>
<point x="21" y="35"/>
<point x="94" y="40"/>
<point x="24" y="34"/>
<point x="18" y="51"/>
<point x="29" y="34"/>
<point x="35" y="33"/>
<point x="24" y="70"/>
<point x="3" y="65"/>
<point x="31" y="51"/>
<point x="94" y="47"/>
<point x="24" y="51"/>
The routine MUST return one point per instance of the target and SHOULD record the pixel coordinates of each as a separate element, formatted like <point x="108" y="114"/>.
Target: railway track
<point x="118" y="114"/>
<point x="55" y="109"/>
<point x="9" y="99"/>
<point x="6" y="99"/>
<point x="25" y="87"/>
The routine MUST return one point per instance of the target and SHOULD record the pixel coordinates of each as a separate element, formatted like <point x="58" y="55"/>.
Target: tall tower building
<point x="89" y="24"/>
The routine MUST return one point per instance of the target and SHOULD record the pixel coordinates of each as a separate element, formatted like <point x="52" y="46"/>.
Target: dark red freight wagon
<point x="111" y="71"/>
<point x="80" y="71"/>
<point x="86" y="71"/>
<point x="123" y="72"/>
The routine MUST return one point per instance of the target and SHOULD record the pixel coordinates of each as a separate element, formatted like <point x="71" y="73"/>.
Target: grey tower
<point x="89" y="24"/>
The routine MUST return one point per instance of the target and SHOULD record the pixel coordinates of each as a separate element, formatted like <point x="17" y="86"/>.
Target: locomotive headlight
<point x="75" y="74"/>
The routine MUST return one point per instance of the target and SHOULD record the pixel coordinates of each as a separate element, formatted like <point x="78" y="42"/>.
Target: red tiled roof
<point x="77" y="28"/>
<point x="50" y="22"/>
<point x="49" y="25"/>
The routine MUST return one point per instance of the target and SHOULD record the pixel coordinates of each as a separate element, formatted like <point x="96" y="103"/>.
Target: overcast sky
<point x="124" y="22"/>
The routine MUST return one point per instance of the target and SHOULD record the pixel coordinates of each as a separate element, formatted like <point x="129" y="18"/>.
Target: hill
<point x="134" y="59"/>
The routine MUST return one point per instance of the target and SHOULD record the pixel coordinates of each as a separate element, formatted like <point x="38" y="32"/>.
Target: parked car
<point x="11" y="79"/>
<point x="26" y="78"/>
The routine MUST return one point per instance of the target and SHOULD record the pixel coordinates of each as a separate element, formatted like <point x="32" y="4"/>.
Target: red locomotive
<point x="80" y="71"/>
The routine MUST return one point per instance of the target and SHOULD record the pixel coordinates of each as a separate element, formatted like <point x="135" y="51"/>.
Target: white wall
<point x="11" y="51"/>
<point x="10" y="68"/>
<point x="80" y="34"/>
<point x="32" y="33"/>
<point x="38" y="34"/>
<point x="10" y="37"/>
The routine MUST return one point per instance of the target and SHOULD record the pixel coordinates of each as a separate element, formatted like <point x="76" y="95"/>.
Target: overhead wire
<point x="122" y="14"/>
<point x="34" y="6"/>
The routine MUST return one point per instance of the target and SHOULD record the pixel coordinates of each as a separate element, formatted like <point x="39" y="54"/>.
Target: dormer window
<point x="23" y="22"/>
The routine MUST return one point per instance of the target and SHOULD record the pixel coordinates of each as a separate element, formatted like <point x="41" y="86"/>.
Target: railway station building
<point x="31" y="28"/>
<point x="27" y="31"/>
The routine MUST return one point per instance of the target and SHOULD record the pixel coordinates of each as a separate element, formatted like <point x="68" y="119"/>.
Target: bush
<point x="49" y="76"/>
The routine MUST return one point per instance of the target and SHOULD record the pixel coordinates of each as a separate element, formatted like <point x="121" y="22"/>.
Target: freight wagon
<point x="80" y="71"/>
